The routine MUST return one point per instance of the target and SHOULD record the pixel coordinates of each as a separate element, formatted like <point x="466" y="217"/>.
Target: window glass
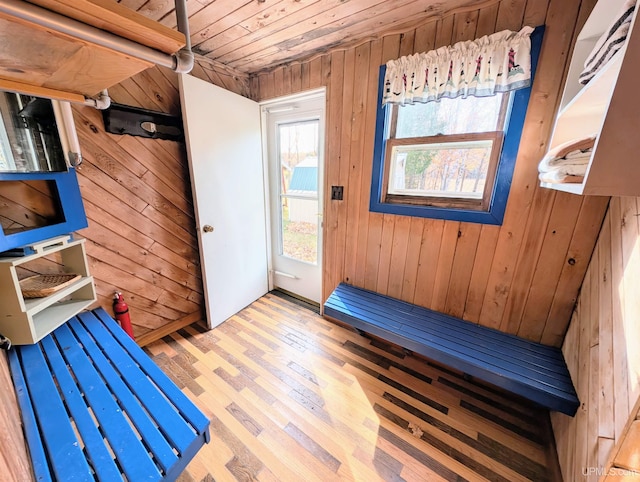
<point x="450" y="169"/>
<point x="445" y="153"/>
<point x="449" y="116"/>
<point x="298" y="164"/>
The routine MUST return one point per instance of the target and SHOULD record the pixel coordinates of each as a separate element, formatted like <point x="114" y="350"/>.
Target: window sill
<point x="452" y="214"/>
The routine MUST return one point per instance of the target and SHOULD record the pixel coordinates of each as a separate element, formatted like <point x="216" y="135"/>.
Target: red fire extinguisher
<point x="121" y="310"/>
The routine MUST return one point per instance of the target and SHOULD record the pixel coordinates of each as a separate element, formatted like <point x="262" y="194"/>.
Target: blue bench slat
<point x="525" y="390"/>
<point x="393" y="306"/>
<point x="97" y="452"/>
<point x="460" y="339"/>
<point x="181" y="402"/>
<point x="497" y="362"/>
<point x="121" y="404"/>
<point x="450" y="322"/>
<point x="506" y="358"/>
<point x="549" y="358"/>
<point x="30" y="425"/>
<point x="176" y="431"/>
<point x="175" y="428"/>
<point x="149" y="431"/>
<point x="526" y="368"/>
<point x="512" y="372"/>
<point x="364" y="297"/>
<point x="452" y="353"/>
<point x="129" y="450"/>
<point x="65" y="454"/>
<point x="369" y="310"/>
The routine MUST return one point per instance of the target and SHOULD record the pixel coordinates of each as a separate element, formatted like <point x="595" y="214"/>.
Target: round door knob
<point x="207" y="229"/>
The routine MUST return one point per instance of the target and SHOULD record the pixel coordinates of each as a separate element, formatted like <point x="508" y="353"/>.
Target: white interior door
<point x="223" y="137"/>
<point x="295" y="144"/>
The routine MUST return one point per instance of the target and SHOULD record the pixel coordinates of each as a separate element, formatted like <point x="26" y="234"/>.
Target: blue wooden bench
<point x="95" y="407"/>
<point x="534" y="371"/>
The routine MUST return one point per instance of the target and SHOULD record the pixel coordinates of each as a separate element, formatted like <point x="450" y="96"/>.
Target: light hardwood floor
<point x="292" y="396"/>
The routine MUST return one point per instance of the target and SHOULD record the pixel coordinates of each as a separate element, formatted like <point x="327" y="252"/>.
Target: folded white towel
<point x="556" y="177"/>
<point x="576" y="160"/>
<point x="571" y="156"/>
<point x="609" y="43"/>
<point x="571" y="169"/>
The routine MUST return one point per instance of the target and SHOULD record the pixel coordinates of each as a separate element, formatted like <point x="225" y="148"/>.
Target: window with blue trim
<point x="452" y="159"/>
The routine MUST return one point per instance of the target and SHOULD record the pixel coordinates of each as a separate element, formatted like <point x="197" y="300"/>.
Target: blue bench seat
<point x="533" y="371"/>
<point x="94" y="406"/>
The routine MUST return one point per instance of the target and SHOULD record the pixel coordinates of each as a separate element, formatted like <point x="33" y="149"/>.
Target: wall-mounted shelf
<point x="608" y="106"/>
<point x="42" y="62"/>
<point x="26" y="321"/>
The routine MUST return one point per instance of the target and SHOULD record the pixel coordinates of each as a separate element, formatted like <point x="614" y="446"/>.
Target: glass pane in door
<point x="298" y="159"/>
<point x="299" y="231"/>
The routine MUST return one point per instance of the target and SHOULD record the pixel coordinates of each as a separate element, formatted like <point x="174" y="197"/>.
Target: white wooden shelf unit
<point x="27" y="321"/>
<point x="608" y="106"/>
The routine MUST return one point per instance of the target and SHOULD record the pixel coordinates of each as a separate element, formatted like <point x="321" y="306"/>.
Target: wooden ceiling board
<point x="310" y="21"/>
<point x="204" y="22"/>
<point x="133" y="4"/>
<point x="251" y="36"/>
<point x="372" y="22"/>
<point x="169" y="20"/>
<point x="156" y="9"/>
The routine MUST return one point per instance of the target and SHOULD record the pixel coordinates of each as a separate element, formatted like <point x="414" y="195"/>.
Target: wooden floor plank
<point x="293" y="396"/>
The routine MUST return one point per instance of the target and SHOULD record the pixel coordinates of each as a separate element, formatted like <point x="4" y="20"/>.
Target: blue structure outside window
<point x="494" y="214"/>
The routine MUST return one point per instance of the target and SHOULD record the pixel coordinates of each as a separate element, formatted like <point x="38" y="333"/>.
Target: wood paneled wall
<point x="601" y="347"/>
<point x="141" y="238"/>
<point x="522" y="277"/>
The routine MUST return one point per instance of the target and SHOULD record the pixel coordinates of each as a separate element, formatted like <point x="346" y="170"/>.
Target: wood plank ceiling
<point x="250" y="36"/>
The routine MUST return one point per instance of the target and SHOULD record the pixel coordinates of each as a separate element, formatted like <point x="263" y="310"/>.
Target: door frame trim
<point x="264" y="110"/>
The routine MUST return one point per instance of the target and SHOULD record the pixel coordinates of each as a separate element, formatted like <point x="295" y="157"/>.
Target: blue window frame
<point x="494" y="214"/>
<point x="69" y="203"/>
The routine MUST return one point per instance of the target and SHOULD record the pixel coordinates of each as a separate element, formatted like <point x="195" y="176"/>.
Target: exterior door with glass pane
<point x="295" y="141"/>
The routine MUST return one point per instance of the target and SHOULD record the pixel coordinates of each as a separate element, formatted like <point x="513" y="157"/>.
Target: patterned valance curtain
<point x="495" y="63"/>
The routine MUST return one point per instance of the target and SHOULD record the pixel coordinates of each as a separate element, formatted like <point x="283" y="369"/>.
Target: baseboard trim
<point x="169" y="328"/>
